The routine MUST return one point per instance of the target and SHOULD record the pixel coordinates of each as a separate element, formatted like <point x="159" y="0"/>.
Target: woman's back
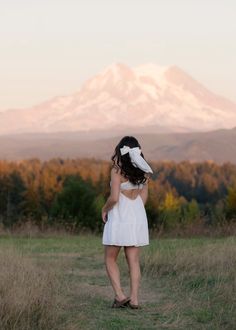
<point x="130" y="190"/>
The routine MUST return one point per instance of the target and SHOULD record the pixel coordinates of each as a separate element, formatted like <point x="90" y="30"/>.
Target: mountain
<point x="149" y="98"/>
<point x="218" y="145"/>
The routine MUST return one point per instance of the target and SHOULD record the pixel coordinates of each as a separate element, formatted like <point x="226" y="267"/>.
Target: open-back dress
<point x="127" y="223"/>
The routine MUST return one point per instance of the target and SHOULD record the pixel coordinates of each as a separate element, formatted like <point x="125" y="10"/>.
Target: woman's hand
<point x="114" y="195"/>
<point x="104" y="215"/>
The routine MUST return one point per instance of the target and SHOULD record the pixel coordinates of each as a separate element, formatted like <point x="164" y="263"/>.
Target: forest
<point x="70" y="193"/>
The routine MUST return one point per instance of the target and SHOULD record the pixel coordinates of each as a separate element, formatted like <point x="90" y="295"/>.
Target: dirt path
<point x="90" y="297"/>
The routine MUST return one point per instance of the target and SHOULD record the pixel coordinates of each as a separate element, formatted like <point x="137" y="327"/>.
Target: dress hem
<point x="136" y="245"/>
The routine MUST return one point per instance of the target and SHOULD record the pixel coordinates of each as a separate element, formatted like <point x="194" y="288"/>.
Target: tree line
<point x="71" y="193"/>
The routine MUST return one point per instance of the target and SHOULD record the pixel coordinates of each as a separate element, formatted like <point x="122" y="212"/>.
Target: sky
<point x="50" y="47"/>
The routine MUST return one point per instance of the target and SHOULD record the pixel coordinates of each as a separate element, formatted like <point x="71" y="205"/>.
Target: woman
<point x="125" y="217"/>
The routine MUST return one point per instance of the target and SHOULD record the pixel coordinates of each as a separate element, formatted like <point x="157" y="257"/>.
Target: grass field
<point x="61" y="283"/>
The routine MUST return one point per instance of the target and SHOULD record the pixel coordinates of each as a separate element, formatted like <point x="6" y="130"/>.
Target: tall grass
<point x="28" y="293"/>
<point x="201" y="275"/>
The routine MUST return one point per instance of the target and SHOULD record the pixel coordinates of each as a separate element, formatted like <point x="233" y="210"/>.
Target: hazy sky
<point x="49" y="47"/>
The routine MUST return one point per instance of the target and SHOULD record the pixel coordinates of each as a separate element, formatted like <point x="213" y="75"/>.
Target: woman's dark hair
<point x="123" y="162"/>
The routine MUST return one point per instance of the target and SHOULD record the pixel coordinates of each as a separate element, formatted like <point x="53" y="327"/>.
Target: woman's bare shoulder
<point x="115" y="173"/>
<point x="115" y="169"/>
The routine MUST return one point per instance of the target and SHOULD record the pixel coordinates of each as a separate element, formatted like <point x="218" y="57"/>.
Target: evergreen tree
<point x="231" y="203"/>
<point x="75" y="205"/>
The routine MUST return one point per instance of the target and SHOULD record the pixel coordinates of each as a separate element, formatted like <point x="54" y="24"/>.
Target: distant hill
<point x="218" y="145"/>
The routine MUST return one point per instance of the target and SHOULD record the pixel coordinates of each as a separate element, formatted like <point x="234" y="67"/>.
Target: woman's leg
<point x="111" y="254"/>
<point x="132" y="257"/>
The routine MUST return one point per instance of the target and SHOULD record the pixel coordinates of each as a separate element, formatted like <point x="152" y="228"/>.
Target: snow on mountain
<point x="121" y="96"/>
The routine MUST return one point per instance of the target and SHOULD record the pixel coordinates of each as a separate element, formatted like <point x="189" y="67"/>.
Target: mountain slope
<point x="144" y="96"/>
<point x="218" y="146"/>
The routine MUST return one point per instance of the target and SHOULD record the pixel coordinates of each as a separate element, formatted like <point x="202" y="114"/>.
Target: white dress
<point x="127" y="223"/>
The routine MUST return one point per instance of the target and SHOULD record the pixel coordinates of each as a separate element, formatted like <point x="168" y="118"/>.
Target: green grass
<point x="186" y="283"/>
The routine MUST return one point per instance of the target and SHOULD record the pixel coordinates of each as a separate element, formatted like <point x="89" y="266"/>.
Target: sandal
<point x="120" y="304"/>
<point x="133" y="306"/>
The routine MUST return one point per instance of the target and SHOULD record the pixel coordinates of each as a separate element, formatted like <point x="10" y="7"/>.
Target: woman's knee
<point x="109" y="260"/>
<point x="132" y="254"/>
<point x="110" y="255"/>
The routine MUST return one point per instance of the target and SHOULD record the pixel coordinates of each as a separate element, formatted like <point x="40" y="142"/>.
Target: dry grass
<point x="202" y="278"/>
<point x="196" y="229"/>
<point x="29" y="294"/>
<point x="209" y="259"/>
<point x="30" y="229"/>
<point x="60" y="283"/>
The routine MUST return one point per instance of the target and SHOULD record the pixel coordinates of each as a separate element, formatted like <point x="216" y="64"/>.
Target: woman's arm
<point x="114" y="194"/>
<point x="144" y="192"/>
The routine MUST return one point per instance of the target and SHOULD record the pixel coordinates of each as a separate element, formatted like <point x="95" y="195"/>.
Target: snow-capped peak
<point x="110" y="76"/>
<point x="118" y="70"/>
<point x="145" y="95"/>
